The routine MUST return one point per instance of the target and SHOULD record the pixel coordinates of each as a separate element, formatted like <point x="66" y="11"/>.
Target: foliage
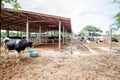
<point x="117" y="17"/>
<point x="113" y="30"/>
<point x="92" y="30"/>
<point x="11" y="34"/>
<point x="116" y="1"/>
<point x="3" y="34"/>
<point x="82" y="32"/>
<point x="14" y="3"/>
<point x="116" y="35"/>
<point x="107" y="32"/>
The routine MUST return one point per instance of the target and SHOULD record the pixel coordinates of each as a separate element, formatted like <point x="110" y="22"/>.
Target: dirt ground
<point x="75" y="61"/>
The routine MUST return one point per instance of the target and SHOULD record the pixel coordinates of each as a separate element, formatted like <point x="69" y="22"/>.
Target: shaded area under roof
<point x="12" y="20"/>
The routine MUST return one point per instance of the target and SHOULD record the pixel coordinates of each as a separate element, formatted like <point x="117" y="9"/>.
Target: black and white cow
<point x="16" y="44"/>
<point x="115" y="40"/>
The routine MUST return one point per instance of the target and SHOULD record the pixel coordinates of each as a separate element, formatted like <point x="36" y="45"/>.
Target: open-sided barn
<point x="33" y="22"/>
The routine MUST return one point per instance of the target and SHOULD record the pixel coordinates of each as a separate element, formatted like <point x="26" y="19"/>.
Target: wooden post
<point x="20" y="33"/>
<point x="40" y="34"/>
<point x="63" y="35"/>
<point x="46" y="36"/>
<point x="59" y="34"/>
<point x="7" y="32"/>
<point x="17" y="33"/>
<point x="27" y="28"/>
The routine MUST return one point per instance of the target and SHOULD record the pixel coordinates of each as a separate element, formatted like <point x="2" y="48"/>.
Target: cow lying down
<point x="16" y="44"/>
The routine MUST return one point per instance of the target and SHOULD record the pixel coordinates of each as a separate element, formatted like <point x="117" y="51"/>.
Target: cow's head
<point x="29" y="44"/>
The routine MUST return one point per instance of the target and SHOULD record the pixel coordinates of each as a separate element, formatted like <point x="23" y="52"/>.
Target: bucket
<point x="32" y="53"/>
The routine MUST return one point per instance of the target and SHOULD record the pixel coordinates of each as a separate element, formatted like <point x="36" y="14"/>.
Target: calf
<point x="16" y="44"/>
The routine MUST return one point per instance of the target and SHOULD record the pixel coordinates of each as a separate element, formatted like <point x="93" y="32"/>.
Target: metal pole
<point x="59" y="34"/>
<point x="110" y="34"/>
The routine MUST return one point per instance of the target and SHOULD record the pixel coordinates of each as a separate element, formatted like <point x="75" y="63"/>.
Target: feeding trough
<point x="32" y="53"/>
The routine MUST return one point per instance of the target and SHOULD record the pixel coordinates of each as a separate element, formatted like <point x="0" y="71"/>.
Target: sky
<point x="98" y="13"/>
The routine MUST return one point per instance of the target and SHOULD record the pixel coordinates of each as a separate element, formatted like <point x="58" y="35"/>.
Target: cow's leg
<point x="17" y="56"/>
<point x="6" y="51"/>
<point x="6" y="54"/>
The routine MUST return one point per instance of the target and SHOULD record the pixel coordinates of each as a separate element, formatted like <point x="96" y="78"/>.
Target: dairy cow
<point x="16" y="44"/>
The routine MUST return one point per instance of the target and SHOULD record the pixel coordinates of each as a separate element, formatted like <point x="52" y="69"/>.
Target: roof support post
<point x="63" y="35"/>
<point x="20" y="33"/>
<point x="17" y="33"/>
<point x="7" y="31"/>
<point x="67" y="36"/>
<point x="27" y="29"/>
<point x="46" y="36"/>
<point x="110" y="38"/>
<point x="59" y="34"/>
<point x="40" y="34"/>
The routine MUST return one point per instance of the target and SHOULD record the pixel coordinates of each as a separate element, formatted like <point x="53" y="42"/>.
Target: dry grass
<point x="52" y="64"/>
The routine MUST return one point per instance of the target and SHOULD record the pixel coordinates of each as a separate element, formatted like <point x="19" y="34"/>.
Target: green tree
<point x="107" y="32"/>
<point x="92" y="30"/>
<point x="3" y="34"/>
<point x="117" y="18"/>
<point x="82" y="32"/>
<point x="14" y="3"/>
<point x="12" y="34"/>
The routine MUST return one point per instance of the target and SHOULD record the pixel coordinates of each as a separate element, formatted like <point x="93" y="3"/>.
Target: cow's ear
<point x="6" y="40"/>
